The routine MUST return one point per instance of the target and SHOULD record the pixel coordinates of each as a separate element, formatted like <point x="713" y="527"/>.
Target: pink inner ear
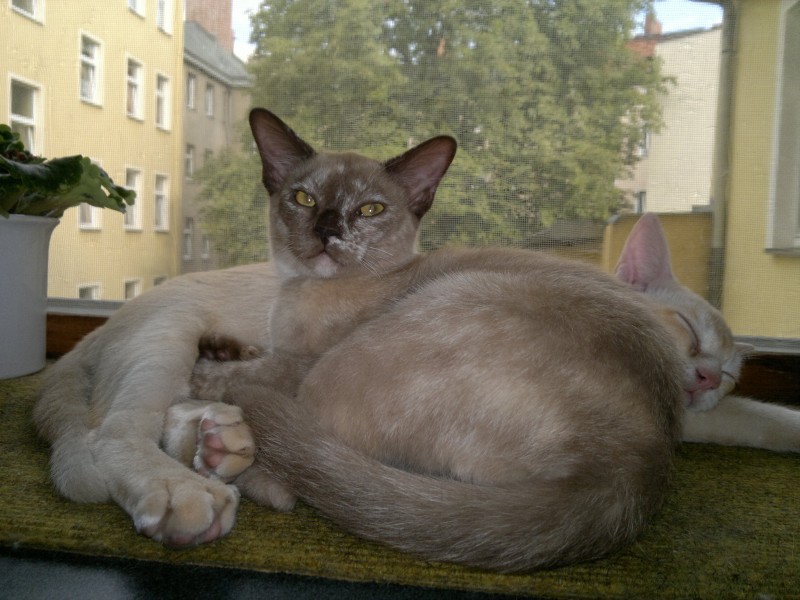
<point x="645" y="261"/>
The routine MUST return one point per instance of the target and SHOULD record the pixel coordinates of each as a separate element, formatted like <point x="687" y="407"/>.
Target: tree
<point x="546" y="100"/>
<point x="233" y="207"/>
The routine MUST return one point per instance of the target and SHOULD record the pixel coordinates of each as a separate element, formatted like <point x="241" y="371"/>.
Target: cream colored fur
<point x="103" y="406"/>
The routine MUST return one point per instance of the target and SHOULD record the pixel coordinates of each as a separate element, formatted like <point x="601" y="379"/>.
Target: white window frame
<point x="164" y="15"/>
<point x="163" y="102"/>
<point x="135" y="83"/>
<point x="33" y="143"/>
<point x="191" y="90"/>
<point x="136" y="283"/>
<point x="188" y="161"/>
<point x="205" y="246"/>
<point x="783" y="222"/>
<point x="38" y="10"/>
<point x="137" y="7"/>
<point x="96" y="64"/>
<point x="96" y="290"/>
<point x="132" y="219"/>
<point x="161" y="202"/>
<point x="209" y="100"/>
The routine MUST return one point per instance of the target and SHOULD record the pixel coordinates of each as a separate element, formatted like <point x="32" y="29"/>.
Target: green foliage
<point x="546" y="100"/>
<point x="31" y="185"/>
<point x="233" y="207"/>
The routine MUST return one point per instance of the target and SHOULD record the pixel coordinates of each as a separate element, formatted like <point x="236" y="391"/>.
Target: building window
<point x="162" y="102"/>
<point x="784" y="231"/>
<point x="191" y="90"/>
<point x="161" y="202"/>
<point x="188" y="162"/>
<point x="137" y="6"/>
<point x="134" y="96"/>
<point x="91" y="63"/>
<point x="88" y="216"/>
<point x="25" y="114"/>
<point x="132" y="219"/>
<point x="188" y="235"/>
<point x="164" y="15"/>
<point x="133" y="287"/>
<point x="209" y="100"/>
<point x="33" y="9"/>
<point x="89" y="292"/>
<point x="205" y="249"/>
<point x="208" y="154"/>
<point x="641" y="202"/>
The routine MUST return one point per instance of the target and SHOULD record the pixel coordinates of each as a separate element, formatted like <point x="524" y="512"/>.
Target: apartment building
<point x="103" y="78"/>
<point x="216" y="102"/>
<point x="674" y="171"/>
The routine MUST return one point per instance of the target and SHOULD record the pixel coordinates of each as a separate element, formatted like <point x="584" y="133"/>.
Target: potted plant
<point x="34" y="193"/>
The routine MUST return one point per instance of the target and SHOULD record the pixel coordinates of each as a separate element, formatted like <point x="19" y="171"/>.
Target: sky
<point x="675" y="15"/>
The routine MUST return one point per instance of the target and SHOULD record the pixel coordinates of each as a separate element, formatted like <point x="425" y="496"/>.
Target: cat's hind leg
<point x="210" y="437"/>
<point x="213" y="438"/>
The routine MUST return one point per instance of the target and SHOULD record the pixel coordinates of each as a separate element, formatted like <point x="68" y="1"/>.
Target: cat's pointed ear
<point x="420" y="170"/>
<point x="280" y="147"/>
<point x="645" y="261"/>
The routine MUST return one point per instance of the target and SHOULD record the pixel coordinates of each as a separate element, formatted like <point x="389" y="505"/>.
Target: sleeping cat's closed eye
<point x="694" y="348"/>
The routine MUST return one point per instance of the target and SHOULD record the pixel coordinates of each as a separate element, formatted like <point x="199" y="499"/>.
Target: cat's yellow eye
<point x="371" y="209"/>
<point x="303" y="199"/>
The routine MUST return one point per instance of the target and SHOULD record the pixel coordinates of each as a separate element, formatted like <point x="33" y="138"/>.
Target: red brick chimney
<point x="645" y="45"/>
<point x="215" y="17"/>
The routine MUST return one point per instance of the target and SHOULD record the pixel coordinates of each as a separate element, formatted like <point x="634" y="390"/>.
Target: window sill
<point x="783" y="251"/>
<point x="92" y="103"/>
<point x="769" y="375"/>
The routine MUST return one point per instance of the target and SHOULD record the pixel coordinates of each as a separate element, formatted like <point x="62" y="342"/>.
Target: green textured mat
<point x="730" y="529"/>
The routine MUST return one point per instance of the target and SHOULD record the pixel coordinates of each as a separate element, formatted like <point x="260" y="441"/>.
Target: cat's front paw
<point x="225" y="444"/>
<point x="188" y="511"/>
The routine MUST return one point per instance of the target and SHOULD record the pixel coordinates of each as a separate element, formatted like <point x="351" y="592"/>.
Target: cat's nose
<point x="328" y="225"/>
<point x="707" y="378"/>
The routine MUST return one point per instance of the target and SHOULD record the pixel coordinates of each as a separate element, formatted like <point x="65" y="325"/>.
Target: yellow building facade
<point x="761" y="287"/>
<point x="103" y="79"/>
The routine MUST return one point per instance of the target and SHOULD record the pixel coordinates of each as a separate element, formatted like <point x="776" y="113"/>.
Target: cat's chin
<point x="324" y="266"/>
<point x="699" y="402"/>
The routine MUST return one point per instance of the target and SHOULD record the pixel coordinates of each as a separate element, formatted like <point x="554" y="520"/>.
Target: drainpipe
<point x="721" y="160"/>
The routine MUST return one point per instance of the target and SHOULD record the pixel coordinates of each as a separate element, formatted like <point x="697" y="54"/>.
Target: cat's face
<point x="344" y="214"/>
<point x="341" y="214"/>
<point x="712" y="359"/>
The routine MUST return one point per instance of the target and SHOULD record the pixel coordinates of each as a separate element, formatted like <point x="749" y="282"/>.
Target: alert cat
<point x="338" y="444"/>
<point x="102" y="406"/>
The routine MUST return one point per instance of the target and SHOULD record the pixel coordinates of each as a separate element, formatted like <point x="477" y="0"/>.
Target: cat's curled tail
<point x="542" y="522"/>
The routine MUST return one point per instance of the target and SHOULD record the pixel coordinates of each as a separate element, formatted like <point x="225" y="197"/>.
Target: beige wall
<point x="47" y="53"/>
<point x="689" y="239"/>
<point x="761" y="293"/>
<point x="680" y="155"/>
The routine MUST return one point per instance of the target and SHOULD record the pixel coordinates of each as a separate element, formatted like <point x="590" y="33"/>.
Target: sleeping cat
<point x="102" y="406"/>
<point x="340" y="443"/>
<point x="713" y="360"/>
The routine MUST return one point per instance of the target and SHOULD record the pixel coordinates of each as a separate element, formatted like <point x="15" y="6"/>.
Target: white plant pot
<point x="24" y="245"/>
